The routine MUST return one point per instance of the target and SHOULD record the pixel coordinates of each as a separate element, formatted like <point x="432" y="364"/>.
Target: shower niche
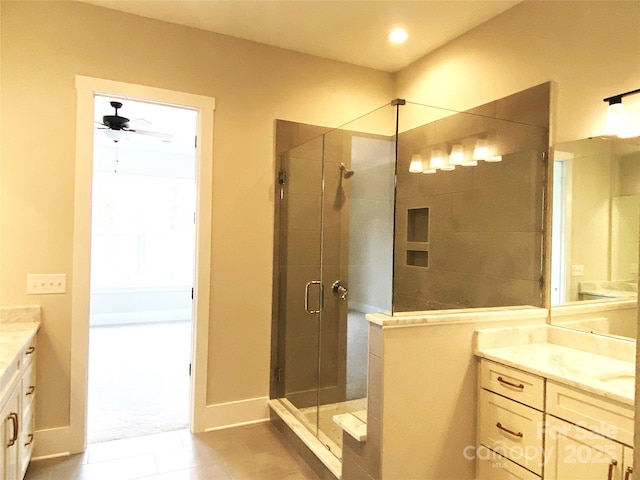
<point x="415" y="208"/>
<point x="418" y="237"/>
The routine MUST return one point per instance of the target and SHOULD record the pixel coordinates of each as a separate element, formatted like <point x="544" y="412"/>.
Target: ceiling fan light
<point x="115" y="135"/>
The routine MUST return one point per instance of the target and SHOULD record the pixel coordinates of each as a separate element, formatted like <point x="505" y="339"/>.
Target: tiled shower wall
<point x="485" y="227"/>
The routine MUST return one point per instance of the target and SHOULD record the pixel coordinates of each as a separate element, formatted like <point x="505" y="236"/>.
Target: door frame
<point x="87" y="88"/>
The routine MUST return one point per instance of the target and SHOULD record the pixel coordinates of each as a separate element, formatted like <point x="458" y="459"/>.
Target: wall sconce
<point x="617" y="122"/>
<point x="416" y="163"/>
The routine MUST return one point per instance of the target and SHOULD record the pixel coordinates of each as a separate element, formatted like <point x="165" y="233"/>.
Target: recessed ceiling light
<point x="398" y="35"/>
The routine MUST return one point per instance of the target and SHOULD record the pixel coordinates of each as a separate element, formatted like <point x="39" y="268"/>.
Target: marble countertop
<point x="13" y="338"/>
<point x="442" y="317"/>
<point x="564" y="357"/>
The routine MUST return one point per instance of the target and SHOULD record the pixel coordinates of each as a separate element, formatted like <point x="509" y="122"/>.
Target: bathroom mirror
<point x="595" y="225"/>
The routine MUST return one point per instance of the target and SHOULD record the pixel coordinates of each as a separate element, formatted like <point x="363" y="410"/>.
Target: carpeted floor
<point x="138" y="379"/>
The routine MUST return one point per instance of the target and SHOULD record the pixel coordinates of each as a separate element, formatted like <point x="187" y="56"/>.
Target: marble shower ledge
<point x="466" y="315"/>
<point x="577" y="359"/>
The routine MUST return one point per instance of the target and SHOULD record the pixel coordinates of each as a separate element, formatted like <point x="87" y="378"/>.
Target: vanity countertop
<point x="578" y="360"/>
<point x="13" y="338"/>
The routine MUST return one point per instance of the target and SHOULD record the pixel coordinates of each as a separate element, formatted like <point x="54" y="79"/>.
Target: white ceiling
<point x="352" y="31"/>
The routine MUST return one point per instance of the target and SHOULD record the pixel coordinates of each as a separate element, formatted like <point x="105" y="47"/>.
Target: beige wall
<point x="44" y="45"/>
<point x="589" y="49"/>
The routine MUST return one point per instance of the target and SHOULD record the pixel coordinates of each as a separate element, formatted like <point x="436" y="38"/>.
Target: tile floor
<point x="253" y="452"/>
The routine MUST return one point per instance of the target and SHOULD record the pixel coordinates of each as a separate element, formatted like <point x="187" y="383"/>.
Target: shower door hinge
<point x="278" y="374"/>
<point x="541" y="281"/>
<point x="282" y="177"/>
<point x="189" y="369"/>
<point x="195" y="142"/>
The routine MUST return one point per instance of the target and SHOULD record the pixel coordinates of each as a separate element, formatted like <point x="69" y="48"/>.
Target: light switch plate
<point x="38" y="284"/>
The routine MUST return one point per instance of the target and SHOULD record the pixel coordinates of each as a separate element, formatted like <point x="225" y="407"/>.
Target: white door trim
<point x="87" y="88"/>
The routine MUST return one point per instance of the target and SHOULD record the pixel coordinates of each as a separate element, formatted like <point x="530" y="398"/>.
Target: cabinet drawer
<point x="521" y="386"/>
<point x="29" y="352"/>
<point x="28" y="386"/>
<point x="601" y="415"/>
<point x="512" y="430"/>
<point x="495" y="467"/>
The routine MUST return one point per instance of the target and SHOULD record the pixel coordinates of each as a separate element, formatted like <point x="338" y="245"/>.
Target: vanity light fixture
<point x="481" y="150"/>
<point x="617" y="122"/>
<point x="456" y="157"/>
<point x="416" y="163"/>
<point x="437" y="161"/>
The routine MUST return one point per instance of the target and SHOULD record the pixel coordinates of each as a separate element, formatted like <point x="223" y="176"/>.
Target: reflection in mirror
<point x="594" y="252"/>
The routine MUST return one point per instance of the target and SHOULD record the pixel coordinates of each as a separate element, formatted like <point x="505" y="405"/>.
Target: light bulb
<point x="398" y="35"/>
<point x="617" y="122"/>
<point x="497" y="158"/>
<point x="416" y="163"/>
<point x="481" y="151"/>
<point x="436" y="159"/>
<point x="456" y="157"/>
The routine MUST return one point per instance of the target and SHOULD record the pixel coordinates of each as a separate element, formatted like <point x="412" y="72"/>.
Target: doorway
<point x="74" y="437"/>
<point x="142" y="267"/>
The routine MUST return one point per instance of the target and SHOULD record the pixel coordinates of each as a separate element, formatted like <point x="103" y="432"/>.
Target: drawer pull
<point x="31" y="390"/>
<point x="14" y="419"/>
<point x="514" y="385"/>
<point x="511" y="432"/>
<point x="30" y="440"/>
<point x="627" y="474"/>
<point x="612" y="464"/>
<point x="30" y="350"/>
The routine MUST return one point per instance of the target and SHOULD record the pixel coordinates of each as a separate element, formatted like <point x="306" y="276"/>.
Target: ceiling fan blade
<point x="164" y="136"/>
<point x="138" y="122"/>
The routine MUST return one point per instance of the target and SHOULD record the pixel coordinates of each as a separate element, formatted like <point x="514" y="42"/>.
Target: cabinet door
<point x="495" y="468"/>
<point x="28" y="412"/>
<point x="10" y="435"/>
<point x="572" y="452"/>
<point x="628" y="464"/>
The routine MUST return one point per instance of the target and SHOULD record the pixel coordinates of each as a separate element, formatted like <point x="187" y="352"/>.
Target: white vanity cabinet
<point x="532" y="428"/>
<point x="510" y="423"/>
<point x="17" y="414"/>
<point x="587" y="436"/>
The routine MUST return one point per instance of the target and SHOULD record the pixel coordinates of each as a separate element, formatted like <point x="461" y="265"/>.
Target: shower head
<point x="347" y="173"/>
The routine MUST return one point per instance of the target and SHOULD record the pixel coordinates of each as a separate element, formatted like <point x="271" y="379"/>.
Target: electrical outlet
<point x="38" y="284"/>
<point x="577" y="270"/>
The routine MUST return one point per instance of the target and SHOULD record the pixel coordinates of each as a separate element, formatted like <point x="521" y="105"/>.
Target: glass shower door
<point x="299" y="286"/>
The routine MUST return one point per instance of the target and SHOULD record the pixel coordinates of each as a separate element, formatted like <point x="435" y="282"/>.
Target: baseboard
<point x="51" y="443"/>
<point x="57" y="442"/>
<point x="231" y="414"/>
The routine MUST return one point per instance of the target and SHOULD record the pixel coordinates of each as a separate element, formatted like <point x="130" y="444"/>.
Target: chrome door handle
<point x="340" y="290"/>
<point x="306" y="297"/>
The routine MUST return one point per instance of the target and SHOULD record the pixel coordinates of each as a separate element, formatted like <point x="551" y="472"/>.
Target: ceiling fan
<point x="116" y="126"/>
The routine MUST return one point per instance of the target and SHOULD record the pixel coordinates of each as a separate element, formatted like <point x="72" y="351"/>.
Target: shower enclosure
<point x="407" y="208"/>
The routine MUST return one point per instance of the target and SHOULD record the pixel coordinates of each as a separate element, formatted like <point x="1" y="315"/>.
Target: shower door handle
<point x="340" y="290"/>
<point x="306" y="296"/>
